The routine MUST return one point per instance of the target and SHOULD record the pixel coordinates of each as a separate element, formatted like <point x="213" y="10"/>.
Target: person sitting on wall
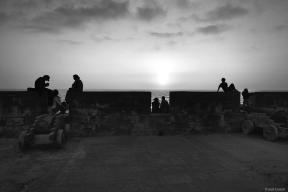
<point x="246" y="95"/>
<point x="155" y="105"/>
<point x="77" y="85"/>
<point x="232" y="88"/>
<point x="41" y="84"/>
<point x="164" y="106"/>
<point x="223" y="85"/>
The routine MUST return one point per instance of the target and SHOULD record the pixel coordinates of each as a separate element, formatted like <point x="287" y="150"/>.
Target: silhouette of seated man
<point x="164" y="106"/>
<point x="246" y="95"/>
<point x="155" y="105"/>
<point x="232" y="88"/>
<point x="223" y="85"/>
<point x="77" y="85"/>
<point x="41" y="84"/>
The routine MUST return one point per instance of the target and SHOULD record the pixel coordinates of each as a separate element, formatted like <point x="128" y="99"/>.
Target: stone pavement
<point x="153" y="163"/>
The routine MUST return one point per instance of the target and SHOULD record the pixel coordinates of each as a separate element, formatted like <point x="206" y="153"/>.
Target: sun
<point x="162" y="68"/>
<point x="163" y="79"/>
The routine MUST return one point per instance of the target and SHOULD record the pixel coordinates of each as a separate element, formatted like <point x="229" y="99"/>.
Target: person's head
<point x="163" y="98"/>
<point x="232" y="86"/>
<point x="223" y="79"/>
<point x="76" y="77"/>
<point x="46" y="77"/>
<point x="245" y="90"/>
<point x="156" y="99"/>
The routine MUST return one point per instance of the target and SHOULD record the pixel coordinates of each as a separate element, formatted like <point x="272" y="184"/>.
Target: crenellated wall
<point x="194" y="101"/>
<point x="113" y="101"/>
<point x="269" y="99"/>
<point x="203" y="110"/>
<point x="115" y="113"/>
<point x="108" y="112"/>
<point x="126" y="113"/>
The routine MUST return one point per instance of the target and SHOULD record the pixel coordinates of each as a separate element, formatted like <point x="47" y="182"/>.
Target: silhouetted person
<point x="72" y="93"/>
<point x="164" y="106"/>
<point x="77" y="85"/>
<point x="246" y="95"/>
<point x="155" y="105"/>
<point x="223" y="85"/>
<point x="41" y="84"/>
<point x="232" y="88"/>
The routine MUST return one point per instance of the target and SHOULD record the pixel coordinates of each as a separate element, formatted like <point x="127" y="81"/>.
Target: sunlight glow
<point x="162" y="66"/>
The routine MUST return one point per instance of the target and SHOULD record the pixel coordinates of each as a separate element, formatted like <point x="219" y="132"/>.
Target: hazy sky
<point x="145" y="44"/>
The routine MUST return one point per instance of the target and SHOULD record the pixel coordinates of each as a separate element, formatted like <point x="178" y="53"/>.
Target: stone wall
<point x="18" y="109"/>
<point x="195" y="101"/>
<point x="116" y="113"/>
<point x="111" y="113"/>
<point x="269" y="99"/>
<point x="200" y="111"/>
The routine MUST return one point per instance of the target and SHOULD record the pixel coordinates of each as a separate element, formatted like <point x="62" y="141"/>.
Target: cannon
<point x="46" y="129"/>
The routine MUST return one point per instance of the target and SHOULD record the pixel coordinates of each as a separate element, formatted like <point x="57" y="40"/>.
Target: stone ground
<point x="213" y="162"/>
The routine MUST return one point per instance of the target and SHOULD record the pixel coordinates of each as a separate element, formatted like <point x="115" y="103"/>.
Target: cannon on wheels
<point x="46" y="129"/>
<point x="272" y="125"/>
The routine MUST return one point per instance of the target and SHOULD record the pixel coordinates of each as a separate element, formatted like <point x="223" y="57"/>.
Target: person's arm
<point x="218" y="88"/>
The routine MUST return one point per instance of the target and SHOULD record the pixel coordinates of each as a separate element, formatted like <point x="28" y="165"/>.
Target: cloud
<point x="212" y="29"/>
<point x="186" y="4"/>
<point x="150" y="11"/>
<point x="220" y="13"/>
<point x="166" y="35"/>
<point x="75" y="16"/>
<point x="281" y="28"/>
<point x="3" y="18"/>
<point x="70" y="42"/>
<point x="106" y="9"/>
<point x="226" y="12"/>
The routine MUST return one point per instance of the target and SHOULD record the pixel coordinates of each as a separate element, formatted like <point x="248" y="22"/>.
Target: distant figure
<point x="164" y="106"/>
<point x="246" y="95"/>
<point x="223" y="85"/>
<point x="232" y="88"/>
<point x="41" y="84"/>
<point x="77" y="85"/>
<point x="155" y="105"/>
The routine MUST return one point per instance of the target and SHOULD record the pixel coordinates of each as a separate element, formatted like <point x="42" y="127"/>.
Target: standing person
<point x="246" y="95"/>
<point x="77" y="85"/>
<point x="164" y="106"/>
<point x="223" y="85"/>
<point x="41" y="84"/>
<point x="155" y="105"/>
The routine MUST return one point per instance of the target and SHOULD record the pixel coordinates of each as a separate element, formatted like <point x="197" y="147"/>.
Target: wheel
<point x="247" y="127"/>
<point x="270" y="133"/>
<point x="23" y="143"/>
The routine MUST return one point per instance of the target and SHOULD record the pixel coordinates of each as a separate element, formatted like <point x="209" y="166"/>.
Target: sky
<point x="145" y="44"/>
